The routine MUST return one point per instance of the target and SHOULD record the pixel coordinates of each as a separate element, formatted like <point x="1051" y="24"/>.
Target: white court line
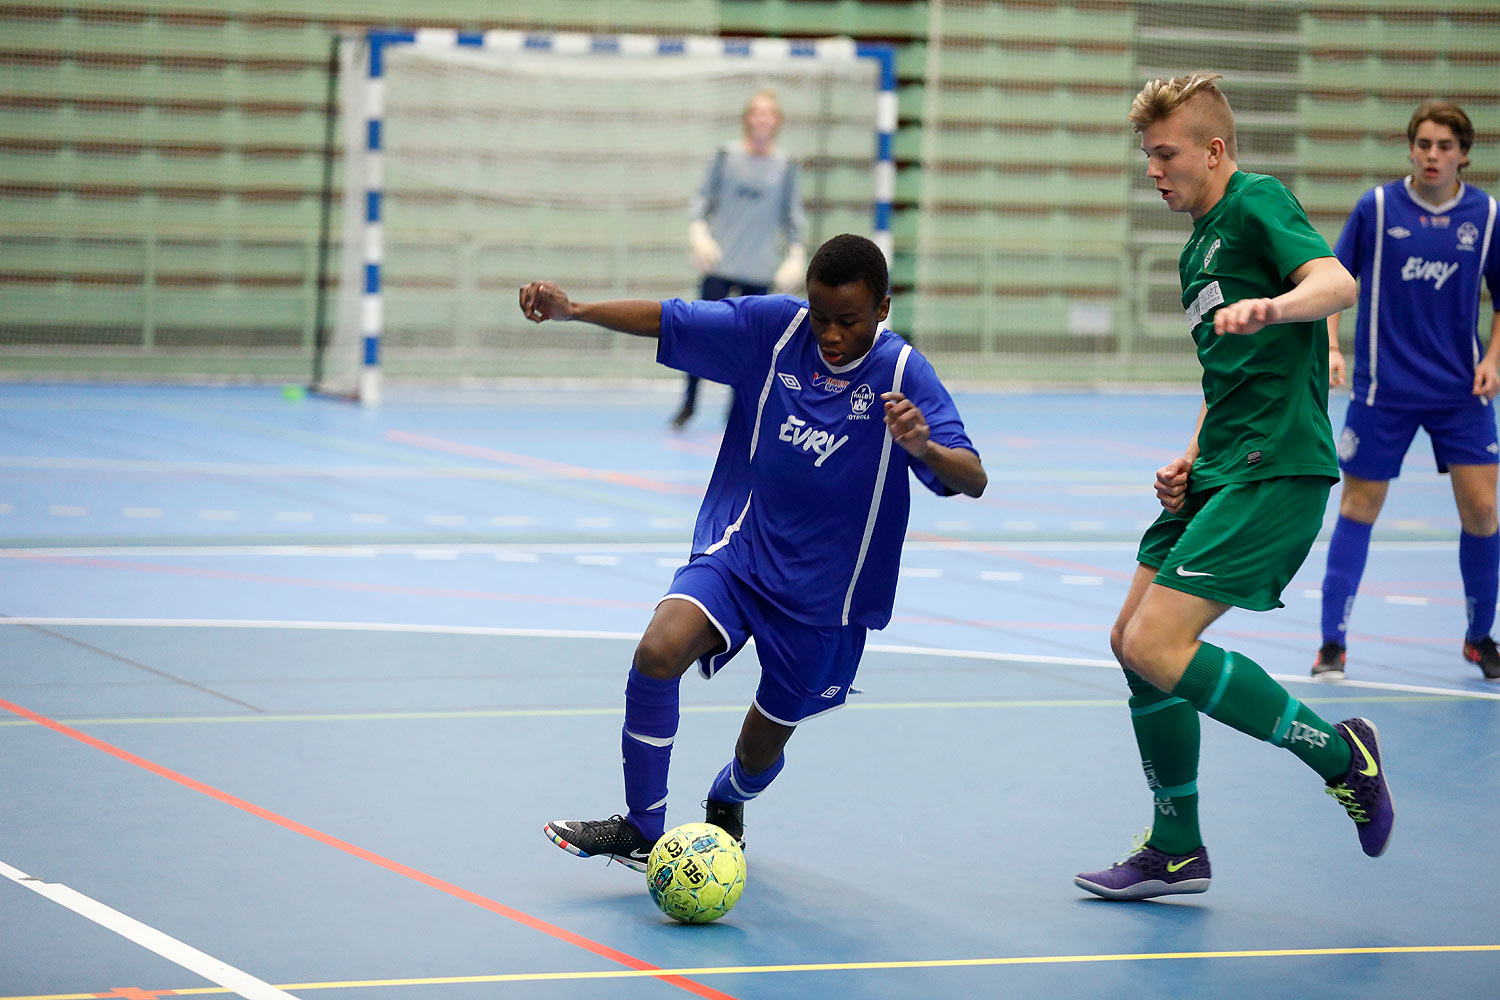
<point x="401" y="548"/>
<point x="168" y="947"/>
<point x="551" y="633"/>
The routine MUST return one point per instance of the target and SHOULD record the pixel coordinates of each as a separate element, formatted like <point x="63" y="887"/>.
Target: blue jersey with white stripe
<point x="809" y="496"/>
<point x="1419" y="268"/>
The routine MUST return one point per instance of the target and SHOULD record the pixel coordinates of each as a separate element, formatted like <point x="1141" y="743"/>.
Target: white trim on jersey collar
<point x="1446" y="206"/>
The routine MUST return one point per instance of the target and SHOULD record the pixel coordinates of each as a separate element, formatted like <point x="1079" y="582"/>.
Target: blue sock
<point x="651" y="714"/>
<point x="1347" y="551"/>
<point x="1479" y="563"/>
<point x="734" y="785"/>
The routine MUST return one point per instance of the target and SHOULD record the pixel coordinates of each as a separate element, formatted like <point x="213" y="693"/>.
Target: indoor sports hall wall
<point x="161" y="196"/>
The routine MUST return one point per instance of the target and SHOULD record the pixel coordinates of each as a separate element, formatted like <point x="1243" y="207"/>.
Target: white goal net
<point x="474" y="168"/>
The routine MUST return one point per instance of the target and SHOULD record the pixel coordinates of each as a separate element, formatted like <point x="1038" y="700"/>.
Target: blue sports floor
<point x="290" y="687"/>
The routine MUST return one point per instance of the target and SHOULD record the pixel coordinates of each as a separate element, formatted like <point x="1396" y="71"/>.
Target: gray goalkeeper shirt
<point x="749" y="202"/>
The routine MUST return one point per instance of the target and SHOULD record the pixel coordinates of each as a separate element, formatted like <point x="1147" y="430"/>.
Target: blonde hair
<point x="1160" y="99"/>
<point x="768" y="93"/>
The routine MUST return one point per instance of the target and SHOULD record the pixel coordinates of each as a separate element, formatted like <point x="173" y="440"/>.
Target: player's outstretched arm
<point x="1323" y="287"/>
<point x="959" y="469"/>
<point x="543" y="300"/>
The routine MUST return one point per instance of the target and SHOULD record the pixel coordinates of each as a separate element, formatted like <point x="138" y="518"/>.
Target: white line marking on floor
<point x="954" y="525"/>
<point x="920" y="572"/>
<point x="593" y="522"/>
<point x="1313" y="595"/>
<point x="1092" y="548"/>
<point x="143" y="512"/>
<point x="634" y="636"/>
<point x="168" y="947"/>
<point x="517" y="557"/>
<point x="596" y="560"/>
<point x="67" y="510"/>
<point x="510" y="520"/>
<point x="434" y="554"/>
<point x="1083" y="581"/>
<point x="6" y="508"/>
<point x="1003" y="576"/>
<point x="1086" y="525"/>
<point x="1404" y="599"/>
<point x="1409" y="524"/>
<point x="667" y="562"/>
<point x="446" y="520"/>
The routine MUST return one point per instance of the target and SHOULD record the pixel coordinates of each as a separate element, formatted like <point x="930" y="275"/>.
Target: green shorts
<point x="1238" y="544"/>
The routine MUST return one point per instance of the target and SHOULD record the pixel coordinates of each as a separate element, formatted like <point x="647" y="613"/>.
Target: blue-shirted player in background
<point x="799" y="537"/>
<point x="1420" y="247"/>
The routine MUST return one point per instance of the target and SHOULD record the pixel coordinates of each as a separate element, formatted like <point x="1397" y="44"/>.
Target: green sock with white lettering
<point x="1166" y="731"/>
<point x="1233" y="689"/>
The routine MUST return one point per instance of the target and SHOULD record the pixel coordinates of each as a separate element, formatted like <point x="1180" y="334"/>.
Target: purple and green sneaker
<point x="1363" y="791"/>
<point x="1149" y="872"/>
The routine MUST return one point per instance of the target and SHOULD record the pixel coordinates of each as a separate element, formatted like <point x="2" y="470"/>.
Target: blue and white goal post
<point x="476" y="161"/>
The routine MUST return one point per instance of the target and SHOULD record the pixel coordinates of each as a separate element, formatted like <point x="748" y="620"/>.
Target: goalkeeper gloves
<point x="793" y="270"/>
<point x="703" y="250"/>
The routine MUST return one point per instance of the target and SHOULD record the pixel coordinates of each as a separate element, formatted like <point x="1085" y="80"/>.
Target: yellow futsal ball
<point x="696" y="873"/>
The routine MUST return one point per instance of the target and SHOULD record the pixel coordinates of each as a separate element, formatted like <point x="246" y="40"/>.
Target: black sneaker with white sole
<point x="1329" y="666"/>
<point x="614" y="838"/>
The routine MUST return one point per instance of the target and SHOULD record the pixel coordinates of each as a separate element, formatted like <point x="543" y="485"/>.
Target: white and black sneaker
<point x="614" y="838"/>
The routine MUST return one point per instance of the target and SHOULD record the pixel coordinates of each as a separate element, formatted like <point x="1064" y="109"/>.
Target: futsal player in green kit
<point x="1242" y="505"/>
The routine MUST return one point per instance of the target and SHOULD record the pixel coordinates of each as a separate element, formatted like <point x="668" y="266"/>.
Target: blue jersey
<point x="1419" y="268"/>
<point x="809" y="496"/>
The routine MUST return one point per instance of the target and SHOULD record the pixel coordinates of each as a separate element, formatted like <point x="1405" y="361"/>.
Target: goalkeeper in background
<point x="1245" y="500"/>
<point x="798" y="541"/>
<point x="749" y="202"/>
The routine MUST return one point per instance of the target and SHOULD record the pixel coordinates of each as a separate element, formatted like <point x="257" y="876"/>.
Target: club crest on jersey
<point x="828" y="383"/>
<point x="1468" y="235"/>
<point x="860" y="402"/>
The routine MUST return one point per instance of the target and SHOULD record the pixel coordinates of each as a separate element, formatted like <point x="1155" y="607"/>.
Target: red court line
<point x="432" y="881"/>
<point x="541" y="464"/>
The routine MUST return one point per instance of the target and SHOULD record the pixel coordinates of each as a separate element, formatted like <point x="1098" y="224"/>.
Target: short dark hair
<point x="849" y="258"/>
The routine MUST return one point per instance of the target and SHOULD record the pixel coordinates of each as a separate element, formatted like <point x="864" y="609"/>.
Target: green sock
<point x="1166" y="731"/>
<point x="1233" y="689"/>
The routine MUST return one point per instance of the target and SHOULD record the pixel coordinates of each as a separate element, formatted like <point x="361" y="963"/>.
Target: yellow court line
<point x="939" y="963"/>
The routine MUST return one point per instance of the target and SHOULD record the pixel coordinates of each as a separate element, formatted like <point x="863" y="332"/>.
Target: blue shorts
<point x="805" y="670"/>
<point x="1375" y="438"/>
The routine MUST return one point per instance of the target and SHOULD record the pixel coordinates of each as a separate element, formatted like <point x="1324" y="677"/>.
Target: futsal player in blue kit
<point x="1421" y="247"/>
<point x="798" y="540"/>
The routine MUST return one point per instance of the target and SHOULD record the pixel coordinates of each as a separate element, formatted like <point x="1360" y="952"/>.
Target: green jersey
<point x="1267" y="392"/>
